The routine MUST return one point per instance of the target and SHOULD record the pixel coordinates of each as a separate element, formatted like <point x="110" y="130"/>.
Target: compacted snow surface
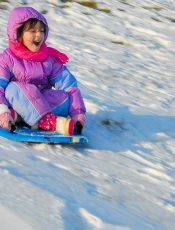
<point x="122" y="53"/>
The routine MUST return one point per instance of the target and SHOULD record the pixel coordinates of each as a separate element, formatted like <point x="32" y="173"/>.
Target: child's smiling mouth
<point x="36" y="43"/>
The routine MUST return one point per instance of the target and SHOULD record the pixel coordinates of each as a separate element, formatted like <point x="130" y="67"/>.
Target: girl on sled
<point x="35" y="85"/>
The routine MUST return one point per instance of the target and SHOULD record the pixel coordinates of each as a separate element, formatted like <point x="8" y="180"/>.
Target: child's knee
<point x="62" y="109"/>
<point x="11" y="91"/>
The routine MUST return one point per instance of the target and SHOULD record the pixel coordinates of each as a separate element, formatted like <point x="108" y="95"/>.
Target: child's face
<point x="33" y="38"/>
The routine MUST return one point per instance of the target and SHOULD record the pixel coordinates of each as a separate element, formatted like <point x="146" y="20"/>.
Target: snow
<point x="6" y="215"/>
<point x="124" y="178"/>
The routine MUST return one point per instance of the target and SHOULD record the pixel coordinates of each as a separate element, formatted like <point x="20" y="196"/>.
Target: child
<point x="34" y="83"/>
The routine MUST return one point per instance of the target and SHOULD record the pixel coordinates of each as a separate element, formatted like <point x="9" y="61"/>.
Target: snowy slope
<point x="124" y="178"/>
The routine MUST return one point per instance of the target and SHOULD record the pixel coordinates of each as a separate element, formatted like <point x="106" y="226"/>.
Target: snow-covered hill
<point x="123" y="55"/>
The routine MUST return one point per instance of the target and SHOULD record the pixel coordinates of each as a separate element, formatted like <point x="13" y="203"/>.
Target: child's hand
<point x="5" y="119"/>
<point x="78" y="128"/>
<point x="79" y="121"/>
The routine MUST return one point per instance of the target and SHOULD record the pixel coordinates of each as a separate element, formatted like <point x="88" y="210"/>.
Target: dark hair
<point x="27" y="26"/>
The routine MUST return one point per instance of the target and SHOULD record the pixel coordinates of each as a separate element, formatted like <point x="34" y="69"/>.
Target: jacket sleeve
<point x="5" y="75"/>
<point x="65" y="81"/>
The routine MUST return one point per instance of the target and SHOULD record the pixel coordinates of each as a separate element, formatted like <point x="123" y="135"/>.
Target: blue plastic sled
<point x="24" y="134"/>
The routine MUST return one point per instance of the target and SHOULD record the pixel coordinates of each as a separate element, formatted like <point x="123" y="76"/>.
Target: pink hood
<point x="18" y="16"/>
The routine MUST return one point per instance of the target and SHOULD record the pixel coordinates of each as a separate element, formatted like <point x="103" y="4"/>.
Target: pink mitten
<point x="5" y="118"/>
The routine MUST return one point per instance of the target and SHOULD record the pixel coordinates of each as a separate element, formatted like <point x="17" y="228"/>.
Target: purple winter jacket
<point x="27" y="86"/>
